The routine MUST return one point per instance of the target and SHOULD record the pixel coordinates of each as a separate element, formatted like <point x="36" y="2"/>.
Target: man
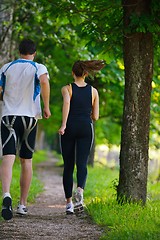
<point x="20" y="83"/>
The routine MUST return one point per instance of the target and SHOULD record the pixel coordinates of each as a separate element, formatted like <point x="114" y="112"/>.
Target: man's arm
<point x="45" y="93"/>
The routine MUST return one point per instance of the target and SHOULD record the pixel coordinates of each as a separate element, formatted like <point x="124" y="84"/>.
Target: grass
<point x="121" y="222"/>
<point x="36" y="186"/>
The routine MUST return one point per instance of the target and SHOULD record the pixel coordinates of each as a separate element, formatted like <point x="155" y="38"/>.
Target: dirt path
<point x="47" y="218"/>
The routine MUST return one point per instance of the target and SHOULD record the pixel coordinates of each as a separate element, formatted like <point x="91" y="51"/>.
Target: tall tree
<point x="138" y="61"/>
<point x="6" y="16"/>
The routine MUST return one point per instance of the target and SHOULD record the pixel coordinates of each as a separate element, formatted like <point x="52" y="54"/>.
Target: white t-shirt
<point x="19" y="89"/>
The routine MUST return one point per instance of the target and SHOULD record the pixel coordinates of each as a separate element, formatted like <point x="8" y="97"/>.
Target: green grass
<point x="121" y="222"/>
<point x="36" y="185"/>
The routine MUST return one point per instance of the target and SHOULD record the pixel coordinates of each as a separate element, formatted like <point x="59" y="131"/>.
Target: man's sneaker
<point x="22" y="210"/>
<point x="78" y="205"/>
<point x="7" y="212"/>
<point x="69" y="208"/>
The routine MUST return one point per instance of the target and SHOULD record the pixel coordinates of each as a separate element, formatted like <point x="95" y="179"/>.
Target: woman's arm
<point x="65" y="109"/>
<point x="95" y="104"/>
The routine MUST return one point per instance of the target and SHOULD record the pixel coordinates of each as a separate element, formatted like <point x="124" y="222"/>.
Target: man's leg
<point x="6" y="172"/>
<point x="29" y="126"/>
<point x="25" y="179"/>
<point x="6" y="178"/>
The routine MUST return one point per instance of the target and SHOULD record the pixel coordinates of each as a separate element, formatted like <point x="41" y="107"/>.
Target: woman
<point x="80" y="108"/>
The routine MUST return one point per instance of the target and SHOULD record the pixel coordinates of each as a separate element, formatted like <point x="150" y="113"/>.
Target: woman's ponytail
<point x="91" y="66"/>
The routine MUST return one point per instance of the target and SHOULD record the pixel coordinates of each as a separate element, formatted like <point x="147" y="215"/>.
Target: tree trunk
<point x="5" y="39"/>
<point x="6" y="10"/>
<point x="138" y="62"/>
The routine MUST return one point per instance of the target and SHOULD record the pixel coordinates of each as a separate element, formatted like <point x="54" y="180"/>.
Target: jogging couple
<point x="21" y="83"/>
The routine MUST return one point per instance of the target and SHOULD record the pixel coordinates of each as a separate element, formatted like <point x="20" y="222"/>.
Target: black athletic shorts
<point x="18" y="133"/>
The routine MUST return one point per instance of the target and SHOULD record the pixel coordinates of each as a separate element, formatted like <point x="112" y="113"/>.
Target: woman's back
<point x="81" y="103"/>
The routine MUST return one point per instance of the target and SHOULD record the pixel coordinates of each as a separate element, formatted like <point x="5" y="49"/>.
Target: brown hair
<point x="27" y="46"/>
<point x="82" y="67"/>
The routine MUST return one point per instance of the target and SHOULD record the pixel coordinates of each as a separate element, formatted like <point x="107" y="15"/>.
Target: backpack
<point x="36" y="80"/>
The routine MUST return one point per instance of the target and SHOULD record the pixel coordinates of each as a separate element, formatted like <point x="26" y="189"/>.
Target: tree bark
<point x="138" y="62"/>
<point x="6" y="10"/>
<point x="6" y="15"/>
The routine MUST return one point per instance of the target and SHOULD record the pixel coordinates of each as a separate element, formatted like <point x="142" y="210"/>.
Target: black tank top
<point x="81" y="103"/>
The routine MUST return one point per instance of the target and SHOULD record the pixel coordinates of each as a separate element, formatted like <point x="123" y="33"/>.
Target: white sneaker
<point x="69" y="208"/>
<point x="78" y="205"/>
<point x="21" y="209"/>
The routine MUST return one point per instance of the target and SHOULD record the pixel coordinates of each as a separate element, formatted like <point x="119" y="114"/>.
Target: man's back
<point x="18" y="98"/>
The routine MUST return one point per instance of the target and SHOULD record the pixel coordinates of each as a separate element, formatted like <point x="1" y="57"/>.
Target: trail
<point x="47" y="218"/>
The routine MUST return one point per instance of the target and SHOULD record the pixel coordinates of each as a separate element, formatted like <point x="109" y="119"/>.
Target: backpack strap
<point x="36" y="80"/>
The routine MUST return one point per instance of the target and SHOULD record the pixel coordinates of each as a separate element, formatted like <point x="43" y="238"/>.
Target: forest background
<point x="66" y="31"/>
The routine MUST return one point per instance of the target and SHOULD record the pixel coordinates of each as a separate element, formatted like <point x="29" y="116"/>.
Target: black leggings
<point x="75" y="145"/>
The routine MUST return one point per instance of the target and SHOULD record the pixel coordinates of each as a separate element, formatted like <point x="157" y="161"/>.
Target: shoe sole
<point x="69" y="213"/>
<point x="78" y="209"/>
<point x="21" y="214"/>
<point x="7" y="213"/>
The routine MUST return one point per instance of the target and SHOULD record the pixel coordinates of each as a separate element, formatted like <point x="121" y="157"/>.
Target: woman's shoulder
<point x="67" y="88"/>
<point x="94" y="91"/>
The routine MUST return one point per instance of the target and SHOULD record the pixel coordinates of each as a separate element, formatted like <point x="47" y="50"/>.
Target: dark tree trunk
<point x="6" y="15"/>
<point x="6" y="10"/>
<point x="138" y="61"/>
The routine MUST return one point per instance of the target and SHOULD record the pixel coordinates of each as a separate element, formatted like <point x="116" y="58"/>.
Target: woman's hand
<point x="61" y="131"/>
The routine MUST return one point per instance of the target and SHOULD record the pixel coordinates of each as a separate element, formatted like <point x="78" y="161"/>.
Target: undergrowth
<point x="121" y="222"/>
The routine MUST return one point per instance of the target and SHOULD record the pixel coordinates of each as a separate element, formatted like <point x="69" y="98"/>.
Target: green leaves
<point x="144" y="23"/>
<point x="66" y="31"/>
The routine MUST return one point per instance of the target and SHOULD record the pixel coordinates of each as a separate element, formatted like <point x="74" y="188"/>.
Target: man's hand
<point x="46" y="113"/>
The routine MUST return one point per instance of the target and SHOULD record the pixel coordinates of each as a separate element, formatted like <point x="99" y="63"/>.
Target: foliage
<point x="69" y="30"/>
<point x="60" y="43"/>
